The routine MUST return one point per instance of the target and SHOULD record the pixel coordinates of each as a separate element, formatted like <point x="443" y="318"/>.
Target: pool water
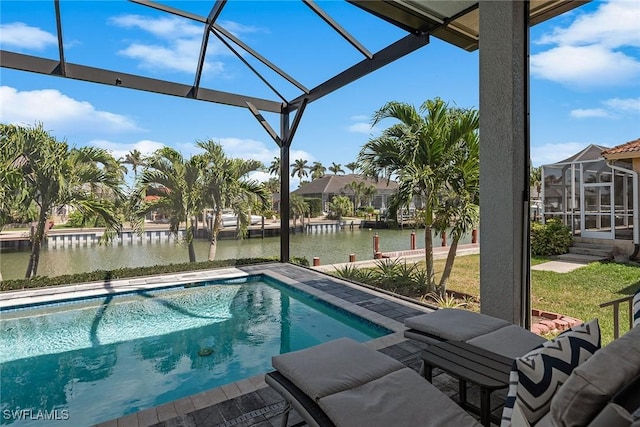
<point x="90" y="361"/>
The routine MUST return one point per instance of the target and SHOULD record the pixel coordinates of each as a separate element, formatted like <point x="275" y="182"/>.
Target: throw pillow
<point x="536" y="376"/>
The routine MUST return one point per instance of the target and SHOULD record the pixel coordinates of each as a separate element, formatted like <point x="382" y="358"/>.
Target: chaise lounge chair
<point x="344" y="383"/>
<point x="480" y="330"/>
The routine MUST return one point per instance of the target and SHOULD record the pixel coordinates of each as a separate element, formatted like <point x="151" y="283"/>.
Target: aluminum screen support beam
<point x="338" y="28"/>
<point x="227" y="34"/>
<point x="287" y="132"/>
<point x="264" y="123"/>
<point x="213" y="15"/>
<point x="387" y="55"/>
<point x="63" y="68"/>
<point x="19" y="61"/>
<point x="249" y="66"/>
<point x="285" y="199"/>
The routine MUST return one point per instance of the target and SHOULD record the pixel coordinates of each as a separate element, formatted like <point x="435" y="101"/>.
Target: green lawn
<point x="577" y="294"/>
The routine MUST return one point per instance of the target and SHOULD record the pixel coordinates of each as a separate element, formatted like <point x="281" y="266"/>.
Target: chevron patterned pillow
<point x="636" y="309"/>
<point x="536" y="376"/>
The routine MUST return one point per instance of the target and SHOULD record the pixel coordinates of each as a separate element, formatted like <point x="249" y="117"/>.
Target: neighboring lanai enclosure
<point x="592" y="195"/>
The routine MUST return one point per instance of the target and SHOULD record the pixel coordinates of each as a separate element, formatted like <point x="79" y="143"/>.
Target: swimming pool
<point x="97" y="359"/>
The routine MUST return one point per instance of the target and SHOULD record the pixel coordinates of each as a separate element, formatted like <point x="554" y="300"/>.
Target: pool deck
<point x="250" y="402"/>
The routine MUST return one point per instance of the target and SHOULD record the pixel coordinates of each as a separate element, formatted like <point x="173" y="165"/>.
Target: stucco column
<point x="504" y="154"/>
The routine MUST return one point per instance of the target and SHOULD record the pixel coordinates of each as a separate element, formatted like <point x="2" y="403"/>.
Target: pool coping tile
<point x="130" y="420"/>
<point x="166" y="411"/>
<point x="147" y="417"/>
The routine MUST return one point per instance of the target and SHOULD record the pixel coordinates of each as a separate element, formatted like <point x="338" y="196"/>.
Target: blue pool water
<point x="93" y="360"/>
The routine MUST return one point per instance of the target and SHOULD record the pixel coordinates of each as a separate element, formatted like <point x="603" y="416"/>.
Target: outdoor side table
<point x="490" y="371"/>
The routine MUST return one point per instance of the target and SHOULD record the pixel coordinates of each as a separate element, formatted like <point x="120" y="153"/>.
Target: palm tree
<point x="368" y="193"/>
<point x="352" y="166"/>
<point x="181" y="196"/>
<point x="299" y="168"/>
<point x="536" y="178"/>
<point x="272" y="185"/>
<point x="88" y="179"/>
<point x="358" y="188"/>
<point x="14" y="196"/>
<point x="430" y="156"/>
<point x="227" y="186"/>
<point x="135" y="159"/>
<point x="336" y="168"/>
<point x="460" y="208"/>
<point x="340" y="206"/>
<point x="298" y="207"/>
<point x="274" y="167"/>
<point x="317" y="170"/>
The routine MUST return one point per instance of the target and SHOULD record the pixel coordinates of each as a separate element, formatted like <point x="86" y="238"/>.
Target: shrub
<point x="552" y="238"/>
<point x="315" y="206"/>
<point x="122" y="273"/>
<point x="446" y="301"/>
<point x="77" y="220"/>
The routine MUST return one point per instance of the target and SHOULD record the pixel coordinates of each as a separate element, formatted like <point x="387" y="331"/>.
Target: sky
<point x="585" y="77"/>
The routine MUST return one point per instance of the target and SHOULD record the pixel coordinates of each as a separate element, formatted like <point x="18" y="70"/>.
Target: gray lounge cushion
<point x="595" y="382"/>
<point x="401" y="398"/>
<point x="357" y="386"/>
<point x="450" y="324"/>
<point x="333" y="367"/>
<point x="612" y="416"/>
<point x="510" y="341"/>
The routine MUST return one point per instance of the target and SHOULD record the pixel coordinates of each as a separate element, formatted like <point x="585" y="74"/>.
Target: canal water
<point x="331" y="247"/>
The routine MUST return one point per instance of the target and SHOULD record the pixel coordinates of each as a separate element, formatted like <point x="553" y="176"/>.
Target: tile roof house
<point x="629" y="150"/>
<point x="328" y="186"/>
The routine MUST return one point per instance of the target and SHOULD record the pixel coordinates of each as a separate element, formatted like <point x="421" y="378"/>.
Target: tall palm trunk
<point x="428" y="247"/>
<point x="213" y="246"/>
<point x="36" y="243"/>
<point x="428" y="255"/>
<point x="448" y="266"/>
<point x="192" y="251"/>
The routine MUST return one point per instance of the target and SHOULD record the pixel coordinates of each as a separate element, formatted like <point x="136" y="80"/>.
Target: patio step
<point x="592" y="246"/>
<point x="581" y="258"/>
<point x="599" y="252"/>
<point x="588" y="252"/>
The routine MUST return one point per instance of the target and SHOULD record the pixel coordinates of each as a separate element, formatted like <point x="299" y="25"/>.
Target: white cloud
<point x="23" y="36"/>
<point x="585" y="66"/>
<point x="631" y="105"/>
<point x="360" y="118"/>
<point x="237" y="28"/>
<point x="260" y="176"/>
<point x="582" y="113"/>
<point x="361" y="127"/>
<point x="552" y="153"/>
<point x="121" y="149"/>
<point x="249" y="149"/>
<point x="177" y="49"/>
<point x="182" y="55"/>
<point x="58" y="112"/>
<point x="613" y="24"/>
<point x="615" y="107"/>
<point x="178" y="45"/>
<point x="594" y="49"/>
<point x="168" y="28"/>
